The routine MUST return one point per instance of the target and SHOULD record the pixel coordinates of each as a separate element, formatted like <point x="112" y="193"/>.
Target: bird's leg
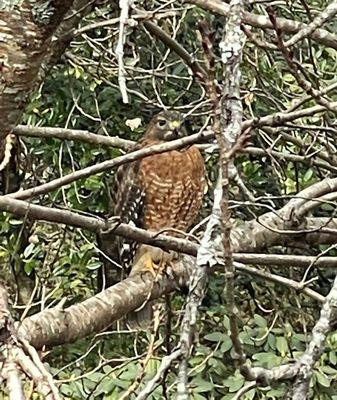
<point x="152" y="259"/>
<point x="149" y="265"/>
<point x="166" y="260"/>
<point x="145" y="264"/>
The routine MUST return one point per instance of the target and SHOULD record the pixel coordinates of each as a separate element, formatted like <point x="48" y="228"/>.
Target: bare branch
<point x="206" y="257"/>
<point x="106" y="165"/>
<point x="73" y="134"/>
<point x="228" y="140"/>
<point x="291" y="284"/>
<point x="15" y="359"/>
<point x="196" y="69"/>
<point x="285" y="260"/>
<point x="294" y="67"/>
<point x="267" y="229"/>
<point x="322" y="18"/>
<point x="260" y="21"/>
<point x="164" y="366"/>
<point x="12" y="375"/>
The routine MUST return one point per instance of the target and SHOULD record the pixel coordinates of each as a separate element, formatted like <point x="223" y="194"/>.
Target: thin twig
<point x="321" y="18"/>
<point x="149" y="355"/>
<point x="260" y="21"/>
<point x="154" y="382"/>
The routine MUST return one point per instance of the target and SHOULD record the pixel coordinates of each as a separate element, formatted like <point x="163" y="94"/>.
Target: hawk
<point x="161" y="192"/>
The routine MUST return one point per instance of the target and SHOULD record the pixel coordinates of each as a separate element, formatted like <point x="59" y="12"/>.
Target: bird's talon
<point x="151" y="267"/>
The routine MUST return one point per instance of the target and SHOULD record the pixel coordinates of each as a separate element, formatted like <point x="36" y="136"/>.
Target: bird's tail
<point x="142" y="318"/>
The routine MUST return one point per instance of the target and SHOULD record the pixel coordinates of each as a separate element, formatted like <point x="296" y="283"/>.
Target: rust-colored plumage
<point x="162" y="192"/>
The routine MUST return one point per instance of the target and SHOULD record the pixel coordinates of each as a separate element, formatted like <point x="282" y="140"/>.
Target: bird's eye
<point x="161" y="123"/>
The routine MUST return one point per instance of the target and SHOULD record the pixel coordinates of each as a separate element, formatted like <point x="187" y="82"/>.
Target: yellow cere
<point x="175" y="124"/>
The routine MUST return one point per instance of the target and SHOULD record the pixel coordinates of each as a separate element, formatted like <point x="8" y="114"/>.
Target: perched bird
<point x="160" y="192"/>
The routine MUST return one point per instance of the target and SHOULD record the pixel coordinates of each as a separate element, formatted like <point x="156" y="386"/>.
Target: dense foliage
<point x="48" y="263"/>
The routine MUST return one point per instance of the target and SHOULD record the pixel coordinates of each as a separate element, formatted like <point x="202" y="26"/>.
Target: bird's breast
<point x="174" y="185"/>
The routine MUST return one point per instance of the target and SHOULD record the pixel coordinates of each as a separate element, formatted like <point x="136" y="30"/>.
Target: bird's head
<point x="166" y="126"/>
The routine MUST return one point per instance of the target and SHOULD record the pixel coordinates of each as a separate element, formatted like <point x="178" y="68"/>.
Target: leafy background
<point x="60" y="262"/>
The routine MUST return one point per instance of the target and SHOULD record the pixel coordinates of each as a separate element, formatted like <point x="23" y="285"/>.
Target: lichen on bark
<point x="9" y="5"/>
<point x="26" y="27"/>
<point x="43" y="12"/>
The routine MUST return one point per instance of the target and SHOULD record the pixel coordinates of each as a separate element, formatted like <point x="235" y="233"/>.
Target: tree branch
<point x="25" y="34"/>
<point x="73" y="134"/>
<point x="260" y="21"/>
<point x="326" y="323"/>
<point x="107" y="165"/>
<point x="267" y="231"/>
<point x="57" y="326"/>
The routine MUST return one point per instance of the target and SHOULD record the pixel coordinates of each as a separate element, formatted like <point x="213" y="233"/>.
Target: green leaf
<point x="308" y="175"/>
<point x="93" y="266"/>
<point x="245" y="337"/>
<point x="282" y="345"/>
<point x="226" y="345"/>
<point x="29" y="250"/>
<point x="271" y="341"/>
<point x="277" y="392"/>
<point x="152" y="366"/>
<point x="78" y="72"/>
<point x="322" y="379"/>
<point x="215" y="337"/>
<point x="328" y="370"/>
<point x="234" y="383"/>
<point x="108" y="384"/>
<point x="30" y="266"/>
<point x="75" y="283"/>
<point x="333" y="357"/>
<point x="202" y="386"/>
<point x="130" y="373"/>
<point x="250" y="395"/>
<point x="226" y="322"/>
<point x="96" y="376"/>
<point x="198" y="396"/>
<point x="267" y="359"/>
<point x="288" y="78"/>
<point x="260" y="321"/>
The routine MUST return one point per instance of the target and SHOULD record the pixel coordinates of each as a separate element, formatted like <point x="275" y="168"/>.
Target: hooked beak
<point x="174" y="125"/>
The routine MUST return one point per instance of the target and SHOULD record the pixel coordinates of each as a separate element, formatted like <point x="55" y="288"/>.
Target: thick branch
<point x="321" y="18"/>
<point x="277" y="227"/>
<point x="271" y="120"/>
<point x="57" y="326"/>
<point x="66" y="32"/>
<point x="25" y="34"/>
<point x="95" y="224"/>
<point x="249" y="237"/>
